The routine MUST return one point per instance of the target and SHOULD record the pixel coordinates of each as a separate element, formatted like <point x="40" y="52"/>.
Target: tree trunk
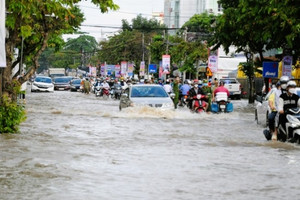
<point x="251" y="91"/>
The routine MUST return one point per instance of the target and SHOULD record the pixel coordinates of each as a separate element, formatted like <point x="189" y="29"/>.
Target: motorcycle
<point x="116" y="92"/>
<point x="184" y="100"/>
<point x="222" y="101"/>
<point x="291" y="131"/>
<point x="105" y="93"/>
<point x="98" y="91"/>
<point x="198" y="104"/>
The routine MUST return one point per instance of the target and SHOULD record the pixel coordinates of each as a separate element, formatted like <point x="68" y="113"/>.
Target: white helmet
<point x="284" y="79"/>
<point x="291" y="84"/>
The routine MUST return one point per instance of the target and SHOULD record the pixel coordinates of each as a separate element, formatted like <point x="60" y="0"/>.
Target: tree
<point x="83" y="47"/>
<point x="254" y="26"/>
<point x="130" y="44"/>
<point x="33" y="25"/>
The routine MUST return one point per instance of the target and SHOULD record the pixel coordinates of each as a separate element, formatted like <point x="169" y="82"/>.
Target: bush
<point x="11" y="115"/>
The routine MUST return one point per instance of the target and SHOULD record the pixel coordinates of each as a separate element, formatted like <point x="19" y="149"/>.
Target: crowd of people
<point x="282" y="98"/>
<point x="186" y="92"/>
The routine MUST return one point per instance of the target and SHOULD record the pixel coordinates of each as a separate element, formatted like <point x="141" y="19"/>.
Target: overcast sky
<point x="129" y="9"/>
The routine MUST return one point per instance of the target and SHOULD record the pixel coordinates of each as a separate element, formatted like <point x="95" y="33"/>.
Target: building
<point x="177" y="12"/>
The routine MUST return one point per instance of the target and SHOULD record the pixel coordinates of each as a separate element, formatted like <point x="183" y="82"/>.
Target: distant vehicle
<point x="146" y="95"/>
<point x="62" y="83"/>
<point x="233" y="86"/>
<point x="42" y="84"/>
<point x="57" y="72"/>
<point x="75" y="85"/>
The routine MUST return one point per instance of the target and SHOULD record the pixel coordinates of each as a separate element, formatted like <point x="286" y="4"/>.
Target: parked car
<point x="262" y="108"/>
<point x="146" y="95"/>
<point x="42" y="84"/>
<point x="233" y="86"/>
<point x="62" y="83"/>
<point x="75" y="85"/>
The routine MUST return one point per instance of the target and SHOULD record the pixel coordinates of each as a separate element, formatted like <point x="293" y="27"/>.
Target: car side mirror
<point x="172" y="95"/>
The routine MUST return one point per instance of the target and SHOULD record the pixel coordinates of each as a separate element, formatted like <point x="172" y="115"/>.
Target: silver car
<point x="146" y="95"/>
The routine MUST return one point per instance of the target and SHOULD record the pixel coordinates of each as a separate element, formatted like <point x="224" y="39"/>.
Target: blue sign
<point x="152" y="68"/>
<point x="270" y="69"/>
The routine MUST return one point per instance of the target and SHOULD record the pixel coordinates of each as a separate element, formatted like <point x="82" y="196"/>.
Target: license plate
<point x="222" y="106"/>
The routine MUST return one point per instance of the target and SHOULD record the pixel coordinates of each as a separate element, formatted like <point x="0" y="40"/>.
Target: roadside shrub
<point x="11" y="113"/>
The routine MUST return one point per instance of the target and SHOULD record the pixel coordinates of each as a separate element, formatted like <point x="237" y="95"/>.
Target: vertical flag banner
<point x="166" y="61"/>
<point x="213" y="60"/>
<point x="123" y="68"/>
<point x="103" y="70"/>
<point x="130" y="69"/>
<point x="2" y="34"/>
<point x="287" y="66"/>
<point x="161" y="70"/>
<point x="117" y="71"/>
<point x="142" y="68"/>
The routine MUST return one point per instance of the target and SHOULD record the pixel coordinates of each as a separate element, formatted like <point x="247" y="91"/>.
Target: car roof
<point x="43" y="77"/>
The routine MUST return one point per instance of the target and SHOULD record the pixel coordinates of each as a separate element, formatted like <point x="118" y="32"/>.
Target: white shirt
<point x="168" y="88"/>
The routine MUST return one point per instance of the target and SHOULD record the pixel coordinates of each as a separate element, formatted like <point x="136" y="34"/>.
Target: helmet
<point x="284" y="79"/>
<point x="291" y="84"/>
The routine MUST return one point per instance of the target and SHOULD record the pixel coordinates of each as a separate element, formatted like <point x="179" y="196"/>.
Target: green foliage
<point x="11" y="114"/>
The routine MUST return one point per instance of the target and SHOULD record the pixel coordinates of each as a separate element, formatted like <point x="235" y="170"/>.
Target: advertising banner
<point x="130" y="69"/>
<point x="270" y="69"/>
<point x="166" y="63"/>
<point x="2" y="34"/>
<point x="110" y="69"/>
<point x="123" y="68"/>
<point x="213" y="63"/>
<point x="103" y="70"/>
<point x="161" y="70"/>
<point x="142" y="68"/>
<point x="117" y="71"/>
<point x="152" y="68"/>
<point x="287" y="66"/>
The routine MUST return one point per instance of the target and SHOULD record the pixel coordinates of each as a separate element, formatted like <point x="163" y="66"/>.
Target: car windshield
<point x="43" y="79"/>
<point x="228" y="81"/>
<point x="62" y="80"/>
<point x="148" y="91"/>
<point x="76" y="81"/>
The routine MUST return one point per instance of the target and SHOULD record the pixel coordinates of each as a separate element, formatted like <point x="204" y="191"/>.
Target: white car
<point x="42" y="84"/>
<point x="262" y="108"/>
<point x="146" y="95"/>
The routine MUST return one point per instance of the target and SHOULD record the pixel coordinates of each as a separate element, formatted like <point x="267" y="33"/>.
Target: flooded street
<point x="75" y="146"/>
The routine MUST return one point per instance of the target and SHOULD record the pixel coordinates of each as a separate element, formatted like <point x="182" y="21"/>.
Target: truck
<point x="54" y="72"/>
<point x="234" y="87"/>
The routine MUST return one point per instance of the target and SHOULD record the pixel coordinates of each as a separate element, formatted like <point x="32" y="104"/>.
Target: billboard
<point x="152" y="68"/>
<point x="270" y="69"/>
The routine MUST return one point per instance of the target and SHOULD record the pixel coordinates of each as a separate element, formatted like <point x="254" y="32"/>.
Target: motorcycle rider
<point x="105" y="85"/>
<point x="274" y="116"/>
<point x="286" y="101"/>
<point x="220" y="88"/>
<point x="168" y="87"/>
<point x="183" y="91"/>
<point x="193" y="92"/>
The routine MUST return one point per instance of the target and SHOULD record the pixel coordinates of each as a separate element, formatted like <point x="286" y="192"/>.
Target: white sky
<point x="129" y="9"/>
